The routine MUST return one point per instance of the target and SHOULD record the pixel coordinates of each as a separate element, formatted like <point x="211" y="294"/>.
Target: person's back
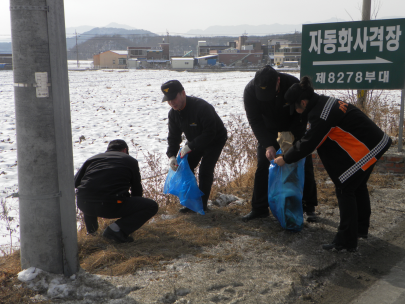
<point x="109" y="186"/>
<point x="107" y="174"/>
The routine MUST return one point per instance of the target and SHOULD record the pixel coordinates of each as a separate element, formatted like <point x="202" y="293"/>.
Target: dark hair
<point x="299" y="91"/>
<point x="306" y="87"/>
<point x="117" y="145"/>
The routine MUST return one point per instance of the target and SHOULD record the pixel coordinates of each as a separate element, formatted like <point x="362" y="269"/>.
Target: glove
<point x="184" y="151"/>
<point x="173" y="163"/>
<point x="270" y="153"/>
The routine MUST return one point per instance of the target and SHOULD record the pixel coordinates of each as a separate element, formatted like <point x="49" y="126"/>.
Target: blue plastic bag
<point x="286" y="185"/>
<point x="183" y="184"/>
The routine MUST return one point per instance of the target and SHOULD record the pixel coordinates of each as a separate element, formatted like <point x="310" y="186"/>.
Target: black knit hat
<point x="266" y="83"/>
<point x="117" y="145"/>
<point x="170" y="89"/>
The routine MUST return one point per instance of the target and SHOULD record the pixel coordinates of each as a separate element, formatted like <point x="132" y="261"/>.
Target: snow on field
<point x="111" y="104"/>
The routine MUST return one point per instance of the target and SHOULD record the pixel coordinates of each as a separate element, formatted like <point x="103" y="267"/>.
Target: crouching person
<point x="349" y="145"/>
<point x="103" y="184"/>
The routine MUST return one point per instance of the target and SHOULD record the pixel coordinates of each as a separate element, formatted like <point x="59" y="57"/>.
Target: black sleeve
<point x="174" y="137"/>
<point x="79" y="175"/>
<point x="208" y="118"/>
<point x="255" y="118"/>
<point x="136" y="185"/>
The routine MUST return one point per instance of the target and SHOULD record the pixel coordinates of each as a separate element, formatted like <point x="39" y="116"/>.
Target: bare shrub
<point x="380" y="106"/>
<point x="154" y="177"/>
<point x="237" y="157"/>
<point x="11" y="227"/>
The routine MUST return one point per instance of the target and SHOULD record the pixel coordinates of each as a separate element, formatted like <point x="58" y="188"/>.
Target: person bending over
<point x="349" y="145"/>
<point x="268" y="115"/>
<point x="205" y="133"/>
<point x="109" y="186"/>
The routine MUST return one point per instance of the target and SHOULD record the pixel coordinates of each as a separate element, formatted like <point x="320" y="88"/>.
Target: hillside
<point x="178" y="44"/>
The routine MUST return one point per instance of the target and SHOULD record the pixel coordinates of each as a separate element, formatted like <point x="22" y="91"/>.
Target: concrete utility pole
<point x="366" y="13"/>
<point x="44" y="139"/>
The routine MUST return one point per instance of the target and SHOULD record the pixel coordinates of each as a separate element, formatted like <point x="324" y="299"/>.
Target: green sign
<point x="355" y="55"/>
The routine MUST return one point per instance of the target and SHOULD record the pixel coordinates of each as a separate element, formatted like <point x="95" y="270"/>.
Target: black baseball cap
<point x="265" y="83"/>
<point x="117" y="145"/>
<point x="170" y="89"/>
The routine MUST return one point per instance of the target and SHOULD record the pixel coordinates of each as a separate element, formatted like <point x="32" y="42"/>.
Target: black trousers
<point x="261" y="184"/>
<point x="354" y="209"/>
<point x="132" y="213"/>
<point x="208" y="158"/>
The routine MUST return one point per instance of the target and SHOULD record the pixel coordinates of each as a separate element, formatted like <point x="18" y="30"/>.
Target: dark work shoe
<point x="337" y="247"/>
<point x="255" y="214"/>
<point x="186" y="210"/>
<point x="119" y="236"/>
<point x="362" y="235"/>
<point x="312" y="217"/>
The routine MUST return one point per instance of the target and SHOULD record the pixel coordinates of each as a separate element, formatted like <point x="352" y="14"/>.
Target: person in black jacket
<point x="205" y="133"/>
<point x="103" y="183"/>
<point x="268" y="114"/>
<point x="349" y="145"/>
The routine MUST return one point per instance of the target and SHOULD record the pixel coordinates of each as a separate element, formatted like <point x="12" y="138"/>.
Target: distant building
<point x="182" y="63"/>
<point x="6" y="61"/>
<point x="207" y="60"/>
<point x="203" y="49"/>
<point x="287" y="52"/>
<point x="235" y="53"/>
<point x="245" y="57"/>
<point x="111" y="60"/>
<point x="147" y="56"/>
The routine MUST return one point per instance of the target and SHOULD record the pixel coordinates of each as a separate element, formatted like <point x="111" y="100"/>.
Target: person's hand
<point x="280" y="161"/>
<point x="184" y="151"/>
<point x="270" y="153"/>
<point x="173" y="163"/>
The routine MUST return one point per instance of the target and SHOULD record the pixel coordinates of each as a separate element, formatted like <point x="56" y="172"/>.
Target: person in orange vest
<point x="349" y="145"/>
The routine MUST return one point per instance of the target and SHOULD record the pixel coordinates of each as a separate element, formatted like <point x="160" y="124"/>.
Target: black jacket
<point x="109" y="174"/>
<point x="268" y="118"/>
<point x="348" y="142"/>
<point x="200" y="124"/>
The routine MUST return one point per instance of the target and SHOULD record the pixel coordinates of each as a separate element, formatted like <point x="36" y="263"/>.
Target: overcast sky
<point x="178" y="17"/>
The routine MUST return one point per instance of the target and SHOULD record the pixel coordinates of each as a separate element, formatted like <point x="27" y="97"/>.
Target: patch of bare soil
<point x="377" y="255"/>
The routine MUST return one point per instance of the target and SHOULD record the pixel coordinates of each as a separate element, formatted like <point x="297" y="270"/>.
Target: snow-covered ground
<point x="111" y="104"/>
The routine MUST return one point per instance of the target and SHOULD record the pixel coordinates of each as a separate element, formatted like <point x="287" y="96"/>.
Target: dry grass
<point x="10" y="287"/>
<point x="325" y="190"/>
<point x="159" y="241"/>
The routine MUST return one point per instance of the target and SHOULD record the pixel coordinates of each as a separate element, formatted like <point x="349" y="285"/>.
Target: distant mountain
<point x="70" y="31"/>
<point x="105" y="31"/>
<point x="254" y="30"/>
<point x="121" y="26"/>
